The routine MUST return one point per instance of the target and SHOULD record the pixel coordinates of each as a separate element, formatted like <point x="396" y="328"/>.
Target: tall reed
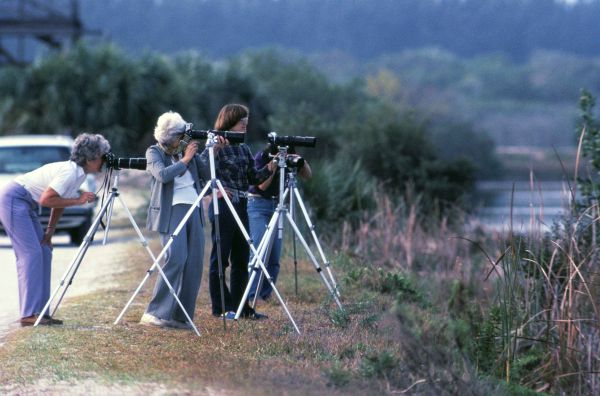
<point x="537" y="296"/>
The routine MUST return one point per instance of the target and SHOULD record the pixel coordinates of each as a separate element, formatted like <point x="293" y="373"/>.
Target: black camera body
<point x="295" y="162"/>
<point x="286" y="145"/>
<point x="114" y="162"/>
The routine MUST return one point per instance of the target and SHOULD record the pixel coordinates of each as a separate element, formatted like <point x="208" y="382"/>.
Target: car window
<point x="22" y="159"/>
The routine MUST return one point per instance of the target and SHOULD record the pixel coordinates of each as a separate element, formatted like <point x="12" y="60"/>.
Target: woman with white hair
<point x="178" y="175"/>
<point x="56" y="186"/>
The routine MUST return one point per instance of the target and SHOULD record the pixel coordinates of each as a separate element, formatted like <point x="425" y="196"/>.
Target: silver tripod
<point x="107" y="207"/>
<point x="276" y="223"/>
<point x="216" y="186"/>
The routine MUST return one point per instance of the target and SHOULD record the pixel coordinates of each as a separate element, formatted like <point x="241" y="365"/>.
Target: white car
<point x="23" y="153"/>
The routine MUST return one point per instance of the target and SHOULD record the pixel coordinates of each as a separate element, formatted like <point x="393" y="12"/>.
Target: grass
<point x="266" y="356"/>
<point x="427" y="311"/>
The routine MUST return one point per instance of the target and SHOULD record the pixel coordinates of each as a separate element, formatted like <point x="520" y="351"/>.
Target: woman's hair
<point x="230" y="115"/>
<point x="88" y="146"/>
<point x="168" y="126"/>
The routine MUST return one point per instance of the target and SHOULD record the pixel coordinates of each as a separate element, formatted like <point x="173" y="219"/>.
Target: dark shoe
<point x="53" y="321"/>
<point x="266" y="298"/>
<point x="253" y="315"/>
<point x="46" y="321"/>
<point x="177" y="324"/>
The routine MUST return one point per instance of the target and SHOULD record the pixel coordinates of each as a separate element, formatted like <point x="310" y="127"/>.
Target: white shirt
<point x="183" y="189"/>
<point x="63" y="177"/>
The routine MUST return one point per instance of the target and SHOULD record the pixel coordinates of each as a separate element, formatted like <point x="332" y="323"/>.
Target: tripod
<point x="107" y="207"/>
<point x="216" y="186"/>
<point x="280" y="213"/>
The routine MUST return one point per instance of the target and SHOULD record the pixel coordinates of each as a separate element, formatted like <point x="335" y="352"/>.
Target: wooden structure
<point x="28" y="26"/>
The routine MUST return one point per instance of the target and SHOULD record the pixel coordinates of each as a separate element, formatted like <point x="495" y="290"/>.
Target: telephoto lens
<point x="291" y="141"/>
<point x="233" y="137"/>
<point x="114" y="162"/>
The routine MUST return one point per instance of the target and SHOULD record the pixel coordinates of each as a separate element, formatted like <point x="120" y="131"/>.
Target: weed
<point x="369" y="321"/>
<point x="339" y="318"/>
<point x="378" y="365"/>
<point x="337" y="375"/>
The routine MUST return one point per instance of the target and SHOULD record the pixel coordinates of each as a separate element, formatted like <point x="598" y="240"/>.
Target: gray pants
<point x="183" y="267"/>
<point x="18" y="214"/>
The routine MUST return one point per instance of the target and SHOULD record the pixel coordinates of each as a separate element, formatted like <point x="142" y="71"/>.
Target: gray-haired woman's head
<point x="169" y="126"/>
<point x="88" y="146"/>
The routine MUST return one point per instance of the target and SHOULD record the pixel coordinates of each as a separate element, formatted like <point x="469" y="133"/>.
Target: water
<point x="536" y="206"/>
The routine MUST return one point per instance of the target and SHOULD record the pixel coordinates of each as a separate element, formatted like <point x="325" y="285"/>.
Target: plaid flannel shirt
<point x="235" y="168"/>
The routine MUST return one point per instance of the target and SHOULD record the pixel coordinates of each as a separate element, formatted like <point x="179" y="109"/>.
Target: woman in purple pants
<point x="56" y="186"/>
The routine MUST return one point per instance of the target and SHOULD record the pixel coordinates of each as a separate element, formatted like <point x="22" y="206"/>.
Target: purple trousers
<point x="19" y="216"/>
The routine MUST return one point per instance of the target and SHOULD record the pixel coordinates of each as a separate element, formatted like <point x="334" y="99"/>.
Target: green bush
<point x="378" y="364"/>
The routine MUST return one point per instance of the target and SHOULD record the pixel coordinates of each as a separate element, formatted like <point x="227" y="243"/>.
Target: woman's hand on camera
<point x="87" y="197"/>
<point x="190" y="151"/>
<point x="272" y="165"/>
<point x="221" y="142"/>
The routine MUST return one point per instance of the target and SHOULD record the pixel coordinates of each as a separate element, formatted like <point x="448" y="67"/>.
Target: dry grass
<point x="533" y="298"/>
<point x="417" y="300"/>
<point x="265" y="357"/>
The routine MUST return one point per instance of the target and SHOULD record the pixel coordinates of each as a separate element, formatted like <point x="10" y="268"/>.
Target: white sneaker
<point x="151" y="320"/>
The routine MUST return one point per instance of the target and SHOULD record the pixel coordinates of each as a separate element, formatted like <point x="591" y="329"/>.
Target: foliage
<point x="360" y="28"/>
<point x="362" y="142"/>
<point x="378" y="364"/>
<point x="589" y="132"/>
<point x="467" y="99"/>
<point x="524" y="315"/>
<point x="459" y="140"/>
<point x="102" y="90"/>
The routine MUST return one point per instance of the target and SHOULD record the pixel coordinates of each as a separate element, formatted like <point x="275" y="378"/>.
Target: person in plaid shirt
<point x="235" y="169"/>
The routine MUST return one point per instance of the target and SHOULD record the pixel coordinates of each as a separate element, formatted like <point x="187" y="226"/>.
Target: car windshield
<point x="22" y="159"/>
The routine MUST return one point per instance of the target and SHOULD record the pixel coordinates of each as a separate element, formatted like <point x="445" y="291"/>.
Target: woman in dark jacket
<point x="236" y="172"/>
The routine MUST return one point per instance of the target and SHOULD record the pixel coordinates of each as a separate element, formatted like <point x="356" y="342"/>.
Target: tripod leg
<point x="314" y="260"/>
<point x="292" y="213"/>
<point x="148" y="272"/>
<point x="314" y="236"/>
<point x="144" y="243"/>
<point x="252" y="267"/>
<point x="261" y="249"/>
<point x="265" y="252"/>
<point x="258" y="264"/>
<point x="163" y="252"/>
<point x="220" y="262"/>
<point x="74" y="266"/>
<point x="156" y="260"/>
<point x="109" y="216"/>
<point x="174" y="293"/>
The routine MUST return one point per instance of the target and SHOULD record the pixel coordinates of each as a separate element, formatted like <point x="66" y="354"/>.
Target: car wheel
<point x="79" y="233"/>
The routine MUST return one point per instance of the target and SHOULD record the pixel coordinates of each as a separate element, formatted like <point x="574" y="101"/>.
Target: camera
<point x="294" y="162"/>
<point x="233" y="137"/>
<point x="291" y="141"/>
<point x="114" y="162"/>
